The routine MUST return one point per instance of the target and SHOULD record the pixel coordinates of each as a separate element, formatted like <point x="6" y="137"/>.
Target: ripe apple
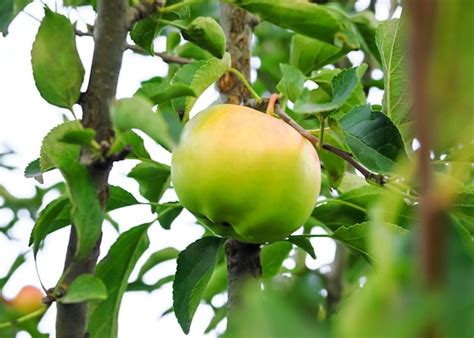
<point x="254" y="177"/>
<point x="28" y="300"/>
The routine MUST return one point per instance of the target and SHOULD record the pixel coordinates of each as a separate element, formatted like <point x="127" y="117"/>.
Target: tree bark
<point x="243" y="260"/>
<point x="110" y="32"/>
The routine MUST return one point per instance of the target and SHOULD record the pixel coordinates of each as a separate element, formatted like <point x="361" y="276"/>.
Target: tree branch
<point x="243" y="260"/>
<point x="369" y="176"/>
<point x="110" y="32"/>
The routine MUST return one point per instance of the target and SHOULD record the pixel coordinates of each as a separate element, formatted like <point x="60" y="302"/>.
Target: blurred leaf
<point x="19" y="260"/>
<point x="391" y="40"/>
<point x="167" y="212"/>
<point x="292" y="82"/>
<point x="303" y="243"/>
<point x="57" y="68"/>
<point x="334" y="166"/>
<point x="114" y="270"/>
<point x="208" y="34"/>
<point x="87" y="214"/>
<point x="198" y="75"/>
<point x="318" y="22"/>
<point x="156" y="258"/>
<point x="191" y="51"/>
<point x="272" y="257"/>
<point x="172" y="41"/>
<point x="343" y="85"/>
<point x="217" y="284"/>
<point x="81" y="137"/>
<point x="373" y="139"/>
<point x="84" y="288"/>
<point x="119" y="198"/>
<point x="153" y="179"/>
<point x="309" y="54"/>
<point x="8" y="11"/>
<point x="139" y="285"/>
<point x="172" y="118"/>
<point x="77" y="3"/>
<point x="136" y="142"/>
<point x="137" y="112"/>
<point x="219" y="315"/>
<point x="158" y="91"/>
<point x="195" y="266"/>
<point x="33" y="169"/>
<point x="367" y="25"/>
<point x="144" y="32"/>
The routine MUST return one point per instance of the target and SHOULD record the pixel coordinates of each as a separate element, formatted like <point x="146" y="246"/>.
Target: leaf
<point x="217" y="284"/>
<point x="172" y="41"/>
<point x="334" y="166"/>
<point x="367" y="25"/>
<point x="191" y="51"/>
<point x="48" y="220"/>
<point x="303" y="243"/>
<point x="172" y="118"/>
<point x="373" y="139"/>
<point x="137" y="112"/>
<point x="156" y="258"/>
<point x="158" y="91"/>
<point x="33" y="169"/>
<point x="114" y="270"/>
<point x="343" y="85"/>
<point x="87" y="214"/>
<point x="167" y="212"/>
<point x="318" y="22"/>
<point x="84" y="288"/>
<point x="208" y="34"/>
<point x="309" y="54"/>
<point x="198" y="76"/>
<point x="119" y="198"/>
<point x="139" y="285"/>
<point x="144" y="33"/>
<point x="153" y="179"/>
<point x="19" y="260"/>
<point x="195" y="266"/>
<point x="463" y="210"/>
<point x="8" y="11"/>
<point x="136" y="142"/>
<point x="391" y="40"/>
<point x="272" y="257"/>
<point x="81" y="137"/>
<point x="57" y="68"/>
<point x="292" y="82"/>
<point x="219" y="315"/>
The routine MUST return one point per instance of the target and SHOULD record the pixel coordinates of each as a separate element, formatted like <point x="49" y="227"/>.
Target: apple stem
<point x="369" y="176"/>
<point x="242" y="78"/>
<point x="271" y="104"/>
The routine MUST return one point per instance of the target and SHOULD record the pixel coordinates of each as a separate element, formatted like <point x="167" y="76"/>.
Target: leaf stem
<point x="242" y="78"/>
<point x="174" y="7"/>
<point x="23" y="319"/>
<point x="172" y="23"/>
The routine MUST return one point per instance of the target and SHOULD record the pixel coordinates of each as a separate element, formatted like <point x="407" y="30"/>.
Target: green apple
<point x="248" y="175"/>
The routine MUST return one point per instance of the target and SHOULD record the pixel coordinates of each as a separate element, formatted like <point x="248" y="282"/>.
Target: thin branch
<point x="369" y="176"/>
<point x="142" y="10"/>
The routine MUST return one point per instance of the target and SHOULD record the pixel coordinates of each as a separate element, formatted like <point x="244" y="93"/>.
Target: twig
<point x="369" y="176"/>
<point x="142" y="10"/>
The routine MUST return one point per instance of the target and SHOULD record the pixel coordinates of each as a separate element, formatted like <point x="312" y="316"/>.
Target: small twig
<point x="164" y="56"/>
<point x="23" y="319"/>
<point x="369" y="176"/>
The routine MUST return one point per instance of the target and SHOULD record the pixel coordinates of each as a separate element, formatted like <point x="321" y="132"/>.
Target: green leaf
<point x="198" y="75"/>
<point x="136" y="142"/>
<point x="172" y="41"/>
<point x="343" y="85"/>
<point x="367" y="25"/>
<point x="57" y="68"/>
<point x="167" y="213"/>
<point x="334" y="166"/>
<point x="463" y="210"/>
<point x="318" y="22"/>
<point x="144" y="33"/>
<point x="292" y="82"/>
<point x="303" y="243"/>
<point x="219" y="316"/>
<point x="19" y="260"/>
<point x="33" y="169"/>
<point x="139" y="285"/>
<point x="172" y="118"/>
<point x="81" y="137"/>
<point x="156" y="258"/>
<point x="77" y="3"/>
<point x="309" y="54"/>
<point x="373" y="139"/>
<point x="195" y="266"/>
<point x="153" y="179"/>
<point x="391" y="41"/>
<point x="191" y="51"/>
<point x="137" y="112"/>
<point x="217" y="284"/>
<point x="8" y="11"/>
<point x="114" y="270"/>
<point x="48" y="221"/>
<point x="87" y="214"/>
<point x="119" y="198"/>
<point x="208" y="34"/>
<point x="83" y="289"/>
<point x="158" y="91"/>
<point x="272" y="257"/>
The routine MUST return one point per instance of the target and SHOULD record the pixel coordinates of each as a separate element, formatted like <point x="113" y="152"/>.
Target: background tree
<point x="397" y="191"/>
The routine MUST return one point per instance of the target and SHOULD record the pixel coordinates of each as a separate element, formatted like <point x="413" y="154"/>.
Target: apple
<point x="246" y="174"/>
<point x="28" y="300"/>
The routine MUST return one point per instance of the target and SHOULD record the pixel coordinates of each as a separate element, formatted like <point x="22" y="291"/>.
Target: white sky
<point x="24" y="120"/>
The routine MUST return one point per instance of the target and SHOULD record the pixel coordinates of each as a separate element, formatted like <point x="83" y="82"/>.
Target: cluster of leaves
<point x="303" y="49"/>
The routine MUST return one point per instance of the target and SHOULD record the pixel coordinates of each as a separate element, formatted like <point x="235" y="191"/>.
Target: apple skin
<point x="28" y="300"/>
<point x="253" y="176"/>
